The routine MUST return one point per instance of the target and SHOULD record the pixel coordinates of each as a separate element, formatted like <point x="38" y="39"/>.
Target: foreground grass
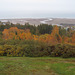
<point x="36" y="66"/>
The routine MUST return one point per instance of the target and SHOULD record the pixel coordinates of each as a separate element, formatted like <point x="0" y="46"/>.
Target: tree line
<point x="41" y="40"/>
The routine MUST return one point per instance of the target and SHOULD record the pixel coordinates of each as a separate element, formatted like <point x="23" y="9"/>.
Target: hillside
<point x="59" y="21"/>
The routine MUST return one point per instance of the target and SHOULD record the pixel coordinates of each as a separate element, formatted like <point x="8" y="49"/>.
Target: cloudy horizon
<point x="37" y="9"/>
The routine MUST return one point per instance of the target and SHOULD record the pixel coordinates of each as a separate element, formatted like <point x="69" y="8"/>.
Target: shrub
<point x="36" y="49"/>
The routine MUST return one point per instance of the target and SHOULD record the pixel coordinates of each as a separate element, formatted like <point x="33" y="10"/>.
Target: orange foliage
<point x="15" y="33"/>
<point x="73" y="38"/>
<point x="53" y="38"/>
<point x="5" y="34"/>
<point x="35" y="37"/>
<point x="56" y="38"/>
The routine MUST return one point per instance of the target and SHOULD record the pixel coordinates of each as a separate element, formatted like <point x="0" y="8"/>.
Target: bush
<point x="30" y="48"/>
<point x="64" y="51"/>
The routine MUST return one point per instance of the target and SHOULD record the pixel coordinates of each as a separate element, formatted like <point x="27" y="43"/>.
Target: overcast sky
<point x="37" y="8"/>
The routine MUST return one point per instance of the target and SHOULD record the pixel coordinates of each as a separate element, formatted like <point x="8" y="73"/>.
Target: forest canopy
<point x="41" y="40"/>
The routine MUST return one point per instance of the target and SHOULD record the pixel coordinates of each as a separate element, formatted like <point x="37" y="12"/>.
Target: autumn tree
<point x="15" y="33"/>
<point x="73" y="38"/>
<point x="55" y="35"/>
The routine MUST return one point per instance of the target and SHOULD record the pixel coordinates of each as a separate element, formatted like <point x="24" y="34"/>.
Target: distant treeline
<point x="40" y="29"/>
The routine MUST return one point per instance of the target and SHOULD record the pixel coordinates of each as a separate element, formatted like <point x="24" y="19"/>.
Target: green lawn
<point x="36" y="66"/>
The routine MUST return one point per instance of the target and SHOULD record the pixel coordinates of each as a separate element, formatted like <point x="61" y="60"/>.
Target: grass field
<point x="37" y="66"/>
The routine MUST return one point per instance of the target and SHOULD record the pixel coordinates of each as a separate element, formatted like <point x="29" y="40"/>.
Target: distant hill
<point x="59" y="21"/>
